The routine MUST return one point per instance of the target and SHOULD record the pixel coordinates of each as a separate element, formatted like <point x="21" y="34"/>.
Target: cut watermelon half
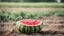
<point x="29" y="25"/>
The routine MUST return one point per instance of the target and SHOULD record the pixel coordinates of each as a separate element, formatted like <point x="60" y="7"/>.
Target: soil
<point x="52" y="26"/>
<point x="31" y="9"/>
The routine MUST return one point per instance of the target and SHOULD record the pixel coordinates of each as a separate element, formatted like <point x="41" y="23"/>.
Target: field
<point x="51" y="14"/>
<point x="32" y="5"/>
<point x="52" y="27"/>
<point x="8" y="15"/>
<point x="53" y="22"/>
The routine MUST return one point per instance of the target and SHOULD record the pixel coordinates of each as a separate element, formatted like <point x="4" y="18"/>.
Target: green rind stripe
<point x="19" y="28"/>
<point x="41" y="26"/>
<point x="29" y="29"/>
<point x="23" y="29"/>
<point x="17" y="25"/>
<point x="37" y="28"/>
<point x="32" y="30"/>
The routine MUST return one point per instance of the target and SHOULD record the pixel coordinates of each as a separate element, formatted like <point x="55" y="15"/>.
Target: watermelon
<point x="29" y="25"/>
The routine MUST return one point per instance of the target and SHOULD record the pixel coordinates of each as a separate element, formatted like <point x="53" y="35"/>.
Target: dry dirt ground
<point x="52" y="26"/>
<point x="31" y="9"/>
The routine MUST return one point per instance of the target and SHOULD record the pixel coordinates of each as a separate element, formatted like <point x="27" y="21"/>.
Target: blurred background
<point x="50" y="12"/>
<point x="32" y="1"/>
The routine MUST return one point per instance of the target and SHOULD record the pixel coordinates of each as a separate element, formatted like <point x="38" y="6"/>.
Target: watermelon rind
<point x="23" y="28"/>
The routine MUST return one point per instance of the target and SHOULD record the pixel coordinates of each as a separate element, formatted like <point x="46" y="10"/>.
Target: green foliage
<point x="59" y="13"/>
<point x="35" y="5"/>
<point x="23" y="14"/>
<point x="30" y="0"/>
<point x="27" y="0"/>
<point x="15" y="16"/>
<point x="32" y="16"/>
<point x="56" y="13"/>
<point x="4" y="15"/>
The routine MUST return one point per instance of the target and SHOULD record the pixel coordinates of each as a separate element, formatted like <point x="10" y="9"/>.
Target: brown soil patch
<point x="31" y="9"/>
<point x="53" y="26"/>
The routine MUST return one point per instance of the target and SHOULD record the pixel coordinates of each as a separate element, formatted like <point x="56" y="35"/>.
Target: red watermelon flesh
<point x="30" y="22"/>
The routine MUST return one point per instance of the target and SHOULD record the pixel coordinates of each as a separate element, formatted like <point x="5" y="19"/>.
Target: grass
<point x="15" y="16"/>
<point x="31" y="5"/>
